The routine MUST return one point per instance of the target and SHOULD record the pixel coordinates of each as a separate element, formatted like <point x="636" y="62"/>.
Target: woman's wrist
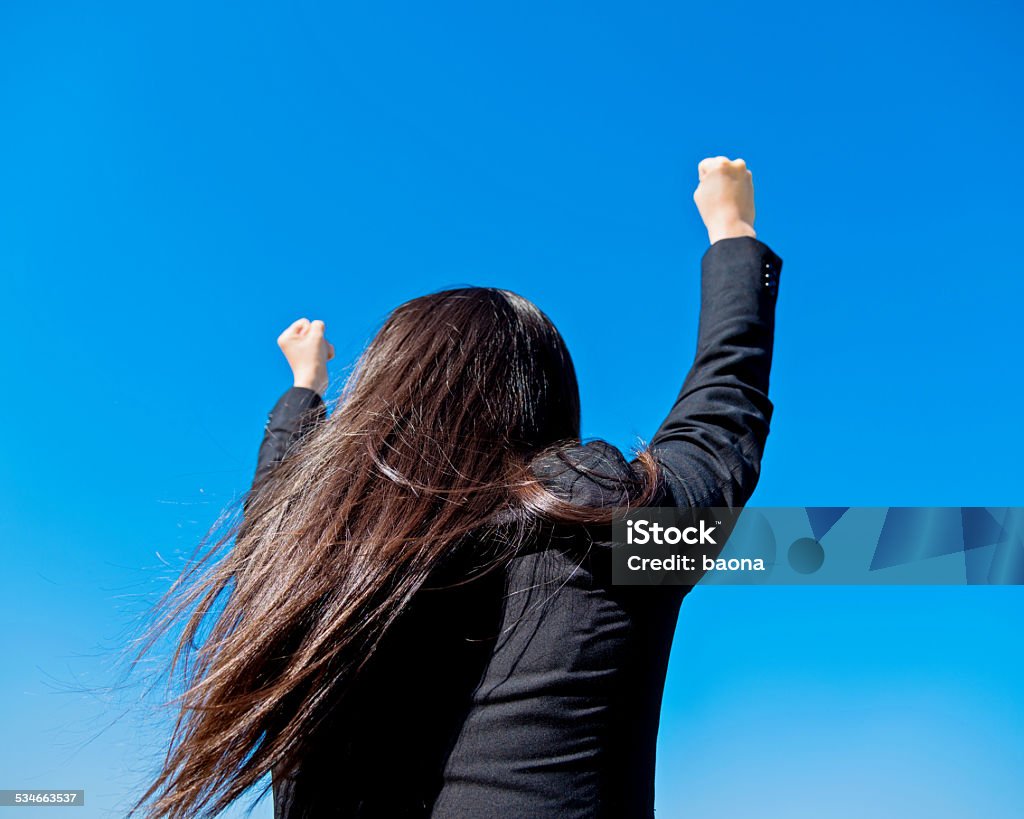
<point x="311" y="381"/>
<point x="730" y="229"/>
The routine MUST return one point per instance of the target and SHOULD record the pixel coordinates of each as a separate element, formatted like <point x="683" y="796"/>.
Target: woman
<point x="420" y="619"/>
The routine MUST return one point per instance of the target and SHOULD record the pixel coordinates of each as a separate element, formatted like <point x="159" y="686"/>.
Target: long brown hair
<point x="431" y="442"/>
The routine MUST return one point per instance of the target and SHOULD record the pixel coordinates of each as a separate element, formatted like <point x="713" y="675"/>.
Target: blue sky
<point x="179" y="181"/>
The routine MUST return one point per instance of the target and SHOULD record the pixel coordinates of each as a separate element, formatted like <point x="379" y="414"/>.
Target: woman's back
<point x="530" y="691"/>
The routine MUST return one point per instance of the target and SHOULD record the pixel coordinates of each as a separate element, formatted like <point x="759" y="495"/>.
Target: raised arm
<point x="296" y="412"/>
<point x="711" y="443"/>
<point x="301" y="407"/>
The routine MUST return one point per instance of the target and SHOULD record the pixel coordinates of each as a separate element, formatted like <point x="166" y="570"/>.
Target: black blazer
<point x="537" y="692"/>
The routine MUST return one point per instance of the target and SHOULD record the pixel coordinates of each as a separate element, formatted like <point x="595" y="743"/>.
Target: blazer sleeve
<point x="296" y="412"/>
<point x="711" y="443"/>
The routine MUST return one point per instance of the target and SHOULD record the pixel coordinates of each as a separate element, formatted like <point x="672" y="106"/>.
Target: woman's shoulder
<point x="591" y="474"/>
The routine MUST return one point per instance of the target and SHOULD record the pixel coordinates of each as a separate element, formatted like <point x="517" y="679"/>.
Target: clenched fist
<point x="308" y="352"/>
<point x="725" y="197"/>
